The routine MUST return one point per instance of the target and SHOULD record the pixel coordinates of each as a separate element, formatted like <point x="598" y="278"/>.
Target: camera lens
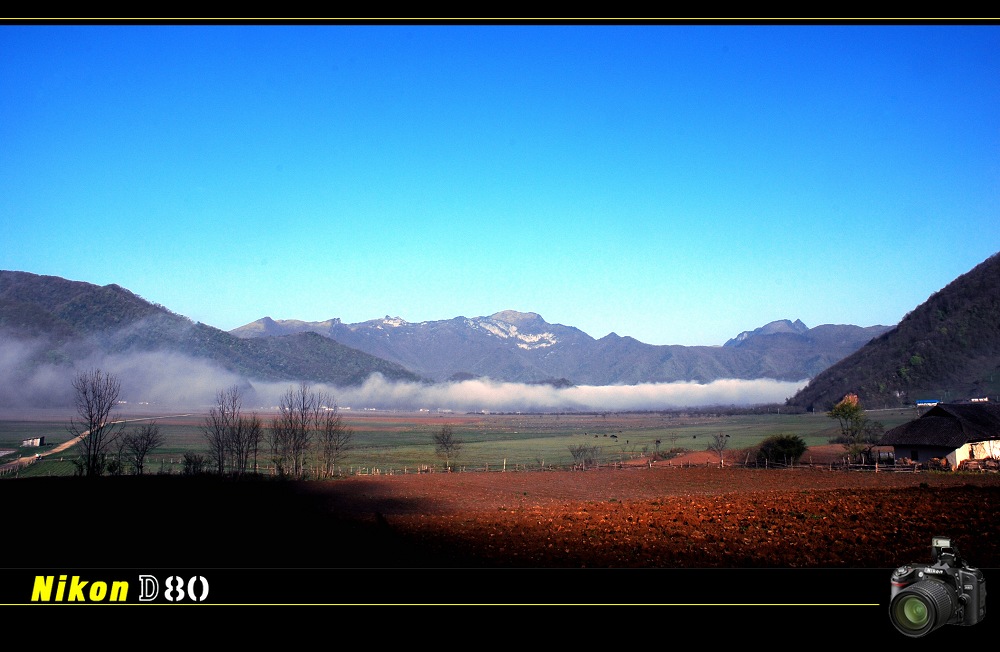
<point x="922" y="607"/>
<point x="912" y="612"/>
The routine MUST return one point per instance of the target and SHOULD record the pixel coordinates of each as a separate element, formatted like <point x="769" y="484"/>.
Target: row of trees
<point x="308" y="425"/>
<point x="233" y="438"/>
<point x="307" y="422"/>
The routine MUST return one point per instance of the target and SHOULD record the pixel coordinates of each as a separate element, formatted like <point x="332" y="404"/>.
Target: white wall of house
<point x="959" y="455"/>
<point x="984" y="449"/>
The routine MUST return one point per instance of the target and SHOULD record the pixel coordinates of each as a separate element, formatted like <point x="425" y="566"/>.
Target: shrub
<point x="671" y="454"/>
<point x="585" y="455"/>
<point x="781" y="449"/>
<point x="194" y="464"/>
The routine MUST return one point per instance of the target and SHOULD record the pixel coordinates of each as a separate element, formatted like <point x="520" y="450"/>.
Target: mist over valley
<point x="510" y="361"/>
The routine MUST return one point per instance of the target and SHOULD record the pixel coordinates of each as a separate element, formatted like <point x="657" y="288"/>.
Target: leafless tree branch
<point x="96" y="395"/>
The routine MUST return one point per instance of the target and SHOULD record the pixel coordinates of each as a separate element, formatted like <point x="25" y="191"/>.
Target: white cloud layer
<point x="167" y="379"/>
<point x="476" y="395"/>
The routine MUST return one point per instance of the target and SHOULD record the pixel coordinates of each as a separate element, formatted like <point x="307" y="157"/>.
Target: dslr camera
<point x="949" y="591"/>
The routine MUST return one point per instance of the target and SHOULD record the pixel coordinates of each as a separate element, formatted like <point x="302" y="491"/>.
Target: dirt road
<point x="30" y="459"/>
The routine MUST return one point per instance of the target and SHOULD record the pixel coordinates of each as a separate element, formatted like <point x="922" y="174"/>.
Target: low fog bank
<point x="161" y="379"/>
<point x="494" y="396"/>
<point x="31" y="375"/>
<point x="477" y="395"/>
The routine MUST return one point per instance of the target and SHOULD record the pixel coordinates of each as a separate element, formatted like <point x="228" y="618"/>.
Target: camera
<point x="926" y="596"/>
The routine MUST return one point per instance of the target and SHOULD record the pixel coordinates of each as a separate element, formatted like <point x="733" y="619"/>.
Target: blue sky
<point x="675" y="183"/>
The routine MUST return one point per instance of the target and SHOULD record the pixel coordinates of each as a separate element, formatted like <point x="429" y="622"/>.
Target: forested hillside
<point x="947" y="348"/>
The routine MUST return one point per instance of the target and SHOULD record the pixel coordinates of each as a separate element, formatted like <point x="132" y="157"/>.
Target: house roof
<point x="948" y="424"/>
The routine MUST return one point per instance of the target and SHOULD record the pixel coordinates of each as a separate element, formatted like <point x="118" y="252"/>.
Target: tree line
<point x="308" y="426"/>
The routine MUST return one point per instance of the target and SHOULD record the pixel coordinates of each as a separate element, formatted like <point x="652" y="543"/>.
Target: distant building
<point x="34" y="441"/>
<point x="952" y="431"/>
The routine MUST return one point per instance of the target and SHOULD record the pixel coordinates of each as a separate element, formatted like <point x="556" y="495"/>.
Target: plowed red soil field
<point x="682" y="516"/>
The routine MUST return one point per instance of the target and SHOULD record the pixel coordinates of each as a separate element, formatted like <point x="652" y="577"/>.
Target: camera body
<point x="947" y="592"/>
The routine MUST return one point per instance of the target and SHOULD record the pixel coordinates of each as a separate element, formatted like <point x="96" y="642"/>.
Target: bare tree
<point x="335" y="439"/>
<point x="233" y="438"/>
<point x="117" y="462"/>
<point x="219" y="425"/>
<point x="252" y="429"/>
<point x="277" y="440"/>
<point x="96" y="395"/>
<point x="301" y="405"/>
<point x="291" y="429"/>
<point x="242" y="442"/>
<point x="718" y="445"/>
<point x="238" y="445"/>
<point x="140" y="442"/>
<point x="446" y="445"/>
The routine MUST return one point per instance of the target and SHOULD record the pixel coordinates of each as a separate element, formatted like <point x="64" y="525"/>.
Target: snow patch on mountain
<point x="505" y="330"/>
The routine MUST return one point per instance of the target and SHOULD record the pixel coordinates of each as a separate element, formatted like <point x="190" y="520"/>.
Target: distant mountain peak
<point x="526" y="329"/>
<point x="783" y="326"/>
<point x="779" y="326"/>
<point x="516" y="318"/>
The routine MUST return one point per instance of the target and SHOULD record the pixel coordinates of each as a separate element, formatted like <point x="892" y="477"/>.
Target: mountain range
<point x="51" y="323"/>
<point x="946" y="348"/>
<point x="523" y="347"/>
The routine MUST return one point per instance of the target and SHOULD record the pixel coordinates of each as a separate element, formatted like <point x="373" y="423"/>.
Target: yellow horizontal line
<point x="453" y="604"/>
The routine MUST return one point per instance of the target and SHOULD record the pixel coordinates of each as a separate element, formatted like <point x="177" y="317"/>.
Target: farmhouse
<point x="34" y="441"/>
<point x="952" y="431"/>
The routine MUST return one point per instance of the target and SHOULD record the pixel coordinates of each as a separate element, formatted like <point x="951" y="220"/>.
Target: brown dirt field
<point x="680" y="516"/>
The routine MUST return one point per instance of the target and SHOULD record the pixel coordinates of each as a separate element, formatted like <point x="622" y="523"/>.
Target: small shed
<point x="952" y="431"/>
<point x="34" y="441"/>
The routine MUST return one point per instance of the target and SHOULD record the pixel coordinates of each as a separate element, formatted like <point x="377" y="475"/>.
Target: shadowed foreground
<point x="636" y="518"/>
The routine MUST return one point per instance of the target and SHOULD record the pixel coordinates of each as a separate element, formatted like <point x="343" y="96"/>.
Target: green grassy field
<point x="398" y="442"/>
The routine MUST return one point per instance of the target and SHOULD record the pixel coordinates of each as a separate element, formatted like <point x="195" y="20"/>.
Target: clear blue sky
<point x="678" y="184"/>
